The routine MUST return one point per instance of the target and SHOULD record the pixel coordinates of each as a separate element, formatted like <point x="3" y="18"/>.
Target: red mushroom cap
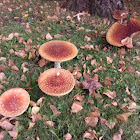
<point x="58" y="51"/>
<point x="118" y="32"/>
<point x="56" y="82"/>
<point x="14" y="102"/>
<point x="120" y="14"/>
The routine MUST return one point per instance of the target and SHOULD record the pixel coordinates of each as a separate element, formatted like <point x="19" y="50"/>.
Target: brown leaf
<point x="121" y="63"/>
<point x="117" y="136"/>
<point x="123" y="117"/>
<point x="93" y="62"/>
<point x="76" y="107"/>
<point x="111" y="123"/>
<point x="15" y="68"/>
<point x="108" y="81"/>
<point x="2" y="135"/>
<point x="49" y="37"/>
<point x="49" y="123"/>
<point x="31" y="125"/>
<point x="13" y="134"/>
<point x="55" y="111"/>
<point x="94" y="114"/>
<point x="90" y="84"/>
<point x="109" y="60"/>
<point x="110" y="94"/>
<point x="79" y="97"/>
<point x="91" y="121"/>
<point x="32" y="103"/>
<point x="2" y="76"/>
<point x="122" y="51"/>
<point x="90" y="134"/>
<point x="68" y="136"/>
<point x="42" y="62"/>
<point x="89" y="57"/>
<point x="127" y="90"/>
<point x="103" y="121"/>
<point x="5" y="124"/>
<point x="36" y="117"/>
<point x="2" y="67"/>
<point x="39" y="101"/>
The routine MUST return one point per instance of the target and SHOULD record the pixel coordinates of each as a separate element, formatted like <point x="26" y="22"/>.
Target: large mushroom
<point x="56" y="82"/>
<point x="118" y="32"/>
<point x="14" y="102"/>
<point x="58" y="51"/>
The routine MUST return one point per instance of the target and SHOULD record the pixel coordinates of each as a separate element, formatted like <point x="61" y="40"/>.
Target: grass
<point x="67" y="122"/>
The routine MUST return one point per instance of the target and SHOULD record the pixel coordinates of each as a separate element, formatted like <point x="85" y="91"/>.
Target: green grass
<point x="68" y="122"/>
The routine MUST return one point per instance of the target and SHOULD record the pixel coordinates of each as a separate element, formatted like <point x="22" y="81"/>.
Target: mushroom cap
<point x="120" y="14"/>
<point x="14" y="102"/>
<point x="118" y="32"/>
<point x="58" y="51"/>
<point x="56" y="82"/>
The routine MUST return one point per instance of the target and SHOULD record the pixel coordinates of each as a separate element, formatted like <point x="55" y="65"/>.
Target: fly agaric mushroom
<point x="118" y="32"/>
<point x="56" y="82"/>
<point x="14" y="102"/>
<point x="58" y="51"/>
<point x="120" y="15"/>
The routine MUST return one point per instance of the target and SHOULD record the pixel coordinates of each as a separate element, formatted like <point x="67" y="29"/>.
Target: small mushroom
<point x="118" y="32"/>
<point x="14" y="102"/>
<point x="120" y="15"/>
<point x="58" y="51"/>
<point x="56" y="82"/>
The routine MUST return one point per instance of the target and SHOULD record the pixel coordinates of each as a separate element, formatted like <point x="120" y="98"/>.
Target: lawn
<point x="24" y="26"/>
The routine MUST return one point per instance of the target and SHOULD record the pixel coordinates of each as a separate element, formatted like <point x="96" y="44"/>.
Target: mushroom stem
<point x="121" y="21"/>
<point x="57" y="65"/>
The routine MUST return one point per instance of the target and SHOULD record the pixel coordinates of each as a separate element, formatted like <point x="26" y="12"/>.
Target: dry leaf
<point x="68" y="136"/>
<point x="94" y="114"/>
<point x="42" y="62"/>
<point x="2" y="67"/>
<point x="36" y="117"/>
<point x="108" y="81"/>
<point x="93" y="62"/>
<point x="91" y="121"/>
<point x="31" y="125"/>
<point x="90" y="84"/>
<point x="109" y="60"/>
<point x="39" y="101"/>
<point x="127" y="90"/>
<point x="14" y="68"/>
<point x="55" y="111"/>
<point x="114" y="103"/>
<point x="49" y="123"/>
<point x="76" y="107"/>
<point x="13" y="134"/>
<point x="49" y="37"/>
<point x="2" y="76"/>
<point x="110" y="94"/>
<point x="79" y="97"/>
<point x="5" y="124"/>
<point x="90" y="134"/>
<point x="2" y="135"/>
<point x="111" y="123"/>
<point x="35" y="110"/>
<point x="117" y="136"/>
<point x="123" y="117"/>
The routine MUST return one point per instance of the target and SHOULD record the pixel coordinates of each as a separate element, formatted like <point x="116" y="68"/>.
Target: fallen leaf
<point x="36" y="117"/>
<point x="110" y="94"/>
<point x="68" y="136"/>
<point x="94" y="114"/>
<point x="49" y="37"/>
<point x="49" y="123"/>
<point x="111" y="123"/>
<point x="15" y="68"/>
<point x="108" y="81"/>
<point x="114" y="103"/>
<point x="117" y="136"/>
<point x="79" y="97"/>
<point x="2" y="135"/>
<point x="2" y="67"/>
<point x="76" y="107"/>
<point x="32" y="103"/>
<point x="55" y="111"/>
<point x="5" y="124"/>
<point x="39" y="101"/>
<point x="42" y="62"/>
<point x="123" y="117"/>
<point x="31" y="125"/>
<point x="2" y="76"/>
<point x="13" y="134"/>
<point x="127" y="90"/>
<point x="90" y="134"/>
<point x="90" y="84"/>
<point x="109" y="60"/>
<point x="91" y="121"/>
